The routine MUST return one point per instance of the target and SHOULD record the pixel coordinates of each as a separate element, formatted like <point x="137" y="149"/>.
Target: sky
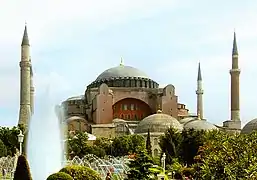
<point x="72" y="42"/>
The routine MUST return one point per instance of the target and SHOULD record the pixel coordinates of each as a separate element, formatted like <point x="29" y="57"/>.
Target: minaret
<point x="235" y="73"/>
<point x="121" y="61"/>
<point x="199" y="93"/>
<point x="25" y="69"/>
<point x="234" y="122"/>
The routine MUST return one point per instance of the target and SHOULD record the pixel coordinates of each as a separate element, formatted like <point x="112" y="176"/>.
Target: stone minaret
<point x="199" y="93"/>
<point x="235" y="73"/>
<point x="234" y="122"/>
<point x="25" y="80"/>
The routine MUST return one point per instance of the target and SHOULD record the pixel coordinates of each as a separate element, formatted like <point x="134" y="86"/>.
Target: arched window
<point x="125" y="107"/>
<point x="122" y="116"/>
<point x="132" y="107"/>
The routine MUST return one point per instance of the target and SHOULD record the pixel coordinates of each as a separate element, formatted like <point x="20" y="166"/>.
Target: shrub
<point x="22" y="171"/>
<point x="81" y="172"/>
<point x="3" y="150"/>
<point x="59" y="176"/>
<point x="188" y="171"/>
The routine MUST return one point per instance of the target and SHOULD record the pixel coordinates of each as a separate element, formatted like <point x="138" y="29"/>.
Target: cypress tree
<point x="22" y="171"/>
<point x="148" y="144"/>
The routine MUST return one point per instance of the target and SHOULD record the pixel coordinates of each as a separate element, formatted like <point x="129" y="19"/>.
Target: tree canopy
<point x="211" y="154"/>
<point x="79" y="145"/>
<point x="9" y="137"/>
<point x="225" y="156"/>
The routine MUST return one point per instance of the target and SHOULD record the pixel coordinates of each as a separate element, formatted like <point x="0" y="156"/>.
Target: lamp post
<point x="163" y="162"/>
<point x="20" y="140"/>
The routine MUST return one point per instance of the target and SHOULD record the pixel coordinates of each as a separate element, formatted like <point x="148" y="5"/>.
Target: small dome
<point x="186" y="120"/>
<point x="157" y="123"/>
<point x="250" y="127"/>
<point x="197" y="124"/>
<point x="121" y="71"/>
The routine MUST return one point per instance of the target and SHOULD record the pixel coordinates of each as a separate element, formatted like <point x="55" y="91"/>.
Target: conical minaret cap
<point x="25" y="38"/>
<point x="234" y="50"/>
<point x="199" y="76"/>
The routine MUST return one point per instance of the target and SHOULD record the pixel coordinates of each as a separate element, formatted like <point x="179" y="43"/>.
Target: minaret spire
<point x="25" y="80"/>
<point x="25" y="38"/>
<point x="199" y="93"/>
<point x="199" y="76"/>
<point x="234" y="49"/>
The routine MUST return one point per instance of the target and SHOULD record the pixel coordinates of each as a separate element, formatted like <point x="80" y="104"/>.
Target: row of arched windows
<point x="130" y="116"/>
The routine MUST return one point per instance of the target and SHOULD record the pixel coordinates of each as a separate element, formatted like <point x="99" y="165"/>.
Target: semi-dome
<point x="250" y="127"/>
<point x="121" y="71"/>
<point x="200" y="124"/>
<point x="157" y="123"/>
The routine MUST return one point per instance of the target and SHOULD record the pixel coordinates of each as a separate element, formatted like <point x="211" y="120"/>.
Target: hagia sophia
<point x="124" y="100"/>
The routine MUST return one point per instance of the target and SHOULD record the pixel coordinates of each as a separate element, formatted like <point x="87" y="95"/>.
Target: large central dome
<point x="122" y="71"/>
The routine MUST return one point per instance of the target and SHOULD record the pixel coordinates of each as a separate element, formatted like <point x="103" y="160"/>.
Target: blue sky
<point x="72" y="42"/>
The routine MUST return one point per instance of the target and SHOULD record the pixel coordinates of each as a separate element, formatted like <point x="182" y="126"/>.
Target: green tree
<point x="22" y="171"/>
<point x="124" y="145"/>
<point x="170" y="144"/>
<point x="148" y="144"/>
<point x="140" y="167"/>
<point x="225" y="156"/>
<point x="103" y="143"/>
<point x="81" y="172"/>
<point x="3" y="151"/>
<point x="59" y="176"/>
<point x="9" y="136"/>
<point x="77" y="144"/>
<point x="137" y="143"/>
<point x="191" y="141"/>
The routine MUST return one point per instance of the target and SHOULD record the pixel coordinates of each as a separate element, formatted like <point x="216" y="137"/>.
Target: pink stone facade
<point x="103" y="104"/>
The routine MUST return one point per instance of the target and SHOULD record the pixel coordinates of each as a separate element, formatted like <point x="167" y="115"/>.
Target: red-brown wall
<point x="131" y="109"/>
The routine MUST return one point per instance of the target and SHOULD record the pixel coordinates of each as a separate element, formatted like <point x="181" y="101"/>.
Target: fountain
<point x="44" y="146"/>
<point x="118" y="166"/>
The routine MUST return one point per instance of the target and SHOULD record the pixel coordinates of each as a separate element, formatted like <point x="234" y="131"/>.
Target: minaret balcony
<point x="234" y="71"/>
<point x="199" y="91"/>
<point x="25" y="64"/>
